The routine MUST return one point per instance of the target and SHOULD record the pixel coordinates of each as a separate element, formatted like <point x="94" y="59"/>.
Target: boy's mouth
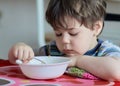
<point x="69" y="52"/>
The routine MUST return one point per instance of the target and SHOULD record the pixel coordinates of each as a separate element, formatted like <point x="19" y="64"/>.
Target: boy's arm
<point x="107" y="68"/>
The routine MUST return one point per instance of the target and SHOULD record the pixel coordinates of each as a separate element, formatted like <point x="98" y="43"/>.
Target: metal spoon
<point x="40" y="60"/>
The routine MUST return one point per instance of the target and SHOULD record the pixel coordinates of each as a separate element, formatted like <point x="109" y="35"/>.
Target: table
<point x="11" y="75"/>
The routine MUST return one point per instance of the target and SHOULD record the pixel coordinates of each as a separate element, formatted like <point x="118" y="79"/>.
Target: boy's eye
<point x="60" y="34"/>
<point x="73" y="34"/>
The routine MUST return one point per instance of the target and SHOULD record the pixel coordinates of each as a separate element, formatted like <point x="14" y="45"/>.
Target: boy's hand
<point x="21" y="51"/>
<point x="73" y="60"/>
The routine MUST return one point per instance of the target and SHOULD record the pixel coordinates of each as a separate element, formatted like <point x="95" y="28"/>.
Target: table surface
<point x="11" y="75"/>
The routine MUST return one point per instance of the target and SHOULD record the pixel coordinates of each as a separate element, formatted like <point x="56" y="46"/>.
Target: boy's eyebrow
<point x="70" y="28"/>
<point x="65" y="29"/>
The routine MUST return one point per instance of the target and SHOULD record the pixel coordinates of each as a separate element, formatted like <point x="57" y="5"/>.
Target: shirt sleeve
<point x="109" y="49"/>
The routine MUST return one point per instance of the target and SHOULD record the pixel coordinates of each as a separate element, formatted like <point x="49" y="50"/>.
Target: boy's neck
<point x="94" y="43"/>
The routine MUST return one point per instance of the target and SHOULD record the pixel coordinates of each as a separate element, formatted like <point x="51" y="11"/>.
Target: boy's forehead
<point x="69" y="19"/>
<point x="70" y="22"/>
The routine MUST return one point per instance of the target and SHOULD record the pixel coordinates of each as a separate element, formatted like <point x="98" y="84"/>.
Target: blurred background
<point x="23" y="21"/>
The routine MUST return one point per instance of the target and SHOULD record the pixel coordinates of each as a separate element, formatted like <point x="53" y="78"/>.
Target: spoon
<point x="20" y="61"/>
<point x="40" y="60"/>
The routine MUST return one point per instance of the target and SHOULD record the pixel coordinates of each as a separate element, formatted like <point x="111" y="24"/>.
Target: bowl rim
<point x="49" y="64"/>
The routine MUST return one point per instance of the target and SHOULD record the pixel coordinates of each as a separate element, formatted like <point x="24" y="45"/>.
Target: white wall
<point x="111" y="32"/>
<point x="18" y="24"/>
<point x="112" y="28"/>
<point x="113" y="6"/>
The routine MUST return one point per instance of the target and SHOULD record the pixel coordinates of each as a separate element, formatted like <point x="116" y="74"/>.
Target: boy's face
<point x="75" y="39"/>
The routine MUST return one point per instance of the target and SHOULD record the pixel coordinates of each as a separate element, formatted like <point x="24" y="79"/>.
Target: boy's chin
<point x="71" y="55"/>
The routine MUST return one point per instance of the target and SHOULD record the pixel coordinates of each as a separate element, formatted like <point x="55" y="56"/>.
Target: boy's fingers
<point x="20" y="54"/>
<point x="31" y="55"/>
<point x="25" y="61"/>
<point x="25" y="54"/>
<point x="15" y="52"/>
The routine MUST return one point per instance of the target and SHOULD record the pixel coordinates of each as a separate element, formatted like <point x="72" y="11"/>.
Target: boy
<point x="77" y="25"/>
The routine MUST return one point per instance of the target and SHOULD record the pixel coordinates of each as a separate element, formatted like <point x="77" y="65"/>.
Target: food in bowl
<point x="52" y="68"/>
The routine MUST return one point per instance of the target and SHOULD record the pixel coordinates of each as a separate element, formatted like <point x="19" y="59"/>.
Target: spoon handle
<point x="40" y="60"/>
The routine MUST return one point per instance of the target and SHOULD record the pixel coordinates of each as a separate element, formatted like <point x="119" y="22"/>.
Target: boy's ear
<point x="98" y="25"/>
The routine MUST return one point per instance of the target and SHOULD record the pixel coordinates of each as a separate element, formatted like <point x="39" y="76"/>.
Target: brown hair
<point x="85" y="11"/>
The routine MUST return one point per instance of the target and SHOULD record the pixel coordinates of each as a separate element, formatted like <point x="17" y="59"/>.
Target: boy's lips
<point x="68" y="52"/>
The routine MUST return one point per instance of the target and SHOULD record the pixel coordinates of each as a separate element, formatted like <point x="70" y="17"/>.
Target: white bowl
<point x="54" y="67"/>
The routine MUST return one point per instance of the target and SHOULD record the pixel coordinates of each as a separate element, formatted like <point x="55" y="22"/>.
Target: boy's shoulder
<point x="108" y="48"/>
<point x="109" y="45"/>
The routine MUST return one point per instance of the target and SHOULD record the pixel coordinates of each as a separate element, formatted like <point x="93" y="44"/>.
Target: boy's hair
<point x="87" y="12"/>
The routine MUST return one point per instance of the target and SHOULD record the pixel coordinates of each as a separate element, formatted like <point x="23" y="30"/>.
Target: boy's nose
<point x="66" y="39"/>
